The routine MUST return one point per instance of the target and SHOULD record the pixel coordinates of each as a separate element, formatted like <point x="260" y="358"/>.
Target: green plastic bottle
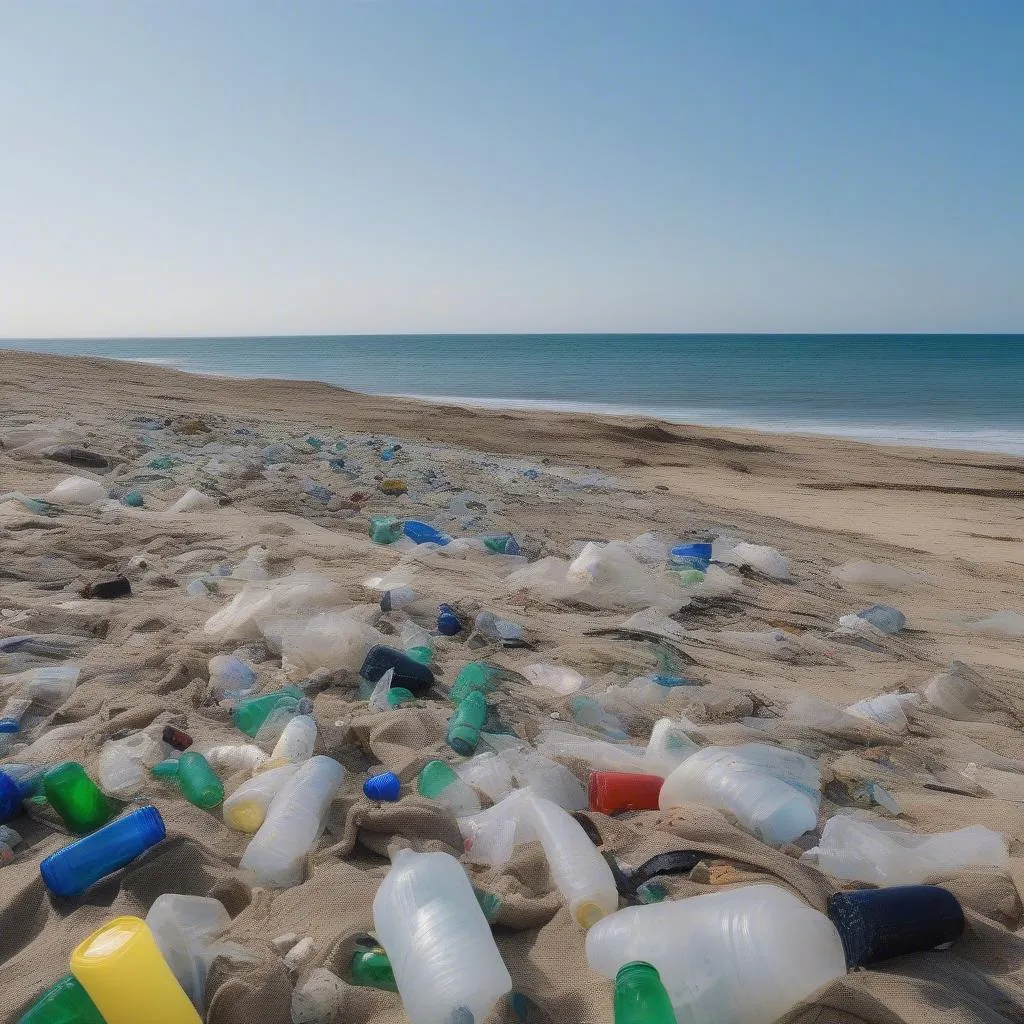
<point x="424" y="655"/>
<point x="474" y="676"/>
<point x="76" y="798"/>
<point x="165" y="769"/>
<point x="465" y="724"/>
<point x="640" y="997"/>
<point x="399" y="695"/>
<point x="251" y="712"/>
<point x="435" y="777"/>
<point x="371" y="968"/>
<point x="198" y="781"/>
<point x="64" y="1002"/>
<point x="385" y="529"/>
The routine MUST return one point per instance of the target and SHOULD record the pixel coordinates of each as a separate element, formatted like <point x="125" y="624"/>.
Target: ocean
<point x="950" y="391"/>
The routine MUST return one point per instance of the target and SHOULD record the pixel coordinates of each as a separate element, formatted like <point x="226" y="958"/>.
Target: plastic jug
<point x="446" y="965"/>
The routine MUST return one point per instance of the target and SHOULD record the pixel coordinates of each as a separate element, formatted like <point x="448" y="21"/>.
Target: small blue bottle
<point x="447" y="621"/>
<point x="71" y="870"/>
<point x="424" y="533"/>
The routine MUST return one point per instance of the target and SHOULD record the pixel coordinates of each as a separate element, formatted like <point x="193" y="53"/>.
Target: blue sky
<point x="334" y="166"/>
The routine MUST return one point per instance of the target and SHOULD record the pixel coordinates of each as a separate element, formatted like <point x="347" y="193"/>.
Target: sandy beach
<point x="953" y="521"/>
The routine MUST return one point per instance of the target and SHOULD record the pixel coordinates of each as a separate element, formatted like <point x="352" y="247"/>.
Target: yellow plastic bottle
<point x="126" y="976"/>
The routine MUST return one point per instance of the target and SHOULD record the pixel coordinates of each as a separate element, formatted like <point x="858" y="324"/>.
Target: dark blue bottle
<point x="413" y="675"/>
<point x="15" y="789"/>
<point x="448" y="622"/>
<point x="71" y="871"/>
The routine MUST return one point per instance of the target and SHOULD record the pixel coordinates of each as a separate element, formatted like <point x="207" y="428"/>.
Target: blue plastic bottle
<point x="424" y="533"/>
<point x="448" y="621"/>
<point x="16" y="787"/>
<point x="691" y="556"/>
<point x="71" y="870"/>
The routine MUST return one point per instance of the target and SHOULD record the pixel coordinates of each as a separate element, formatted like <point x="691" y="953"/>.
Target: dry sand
<point x="957" y="517"/>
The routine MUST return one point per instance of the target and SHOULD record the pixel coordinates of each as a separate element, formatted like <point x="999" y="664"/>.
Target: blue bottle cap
<point x="692" y="551"/>
<point x="10" y="798"/>
<point x="447" y="621"/>
<point x="9" y="725"/>
<point x="385" y="786"/>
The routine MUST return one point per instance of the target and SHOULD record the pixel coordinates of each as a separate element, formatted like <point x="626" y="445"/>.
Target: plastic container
<point x="64" y="1002"/>
<point x="691" y="556"/>
<point x="51" y="687"/>
<point x="125" y="975"/>
<point x="294" y="822"/>
<point x="640" y="997"/>
<point x="231" y="677"/>
<point x="474" y="676"/>
<point x="613" y="792"/>
<point x="446" y="965"/>
<point x="176" y="738"/>
<point x="16" y="787"/>
<point x="251" y="712"/>
<point x="237" y="757"/>
<point x="884" y="617"/>
<point x="722" y="777"/>
<point x="385" y="529"/>
<point x="494" y="628"/>
<point x="888" y="855"/>
<point x="121" y="769"/>
<point x="246" y="808"/>
<point x="198" y="781"/>
<point x="439" y="782"/>
<point x="71" y="870"/>
<point x="588" y="712"/>
<point x="76" y="798"/>
<point x="448" y="623"/>
<point x="296" y="743"/>
<point x="464" y="726"/>
<point x="185" y="929"/>
<point x="878" y="924"/>
<point x="371" y="968"/>
<point x="386" y="786"/>
<point x="424" y="533"/>
<point x="887" y="709"/>
<point x="14" y="711"/>
<point x="414" y="676"/>
<point x="744" y="956"/>
<point x="488" y="773"/>
<point x="504" y="544"/>
<point x="559" y="678"/>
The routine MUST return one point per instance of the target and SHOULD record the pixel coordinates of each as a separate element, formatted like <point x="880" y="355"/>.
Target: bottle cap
<point x="878" y="924"/>
<point x="385" y="786"/>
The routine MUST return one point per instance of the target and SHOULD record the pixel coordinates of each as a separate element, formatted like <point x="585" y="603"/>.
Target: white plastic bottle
<point x="723" y="778"/>
<point x="744" y="956"/>
<point x="236" y="757"/>
<point x="296" y="742"/>
<point x="52" y="686"/>
<point x="246" y="809"/>
<point x="446" y="964"/>
<point x="277" y="853"/>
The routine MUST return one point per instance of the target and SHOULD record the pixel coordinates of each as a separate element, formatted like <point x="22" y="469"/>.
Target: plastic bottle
<point x="448" y="623"/>
<point x="294" y="822"/>
<point x="231" y="677"/>
<point x="122" y="969"/>
<point x="640" y="997"/>
<point x="52" y="686"/>
<point x="446" y="965"/>
<point x="385" y="529"/>
<point x="384" y="786"/>
<point x="76" y="798"/>
<point x="424" y="533"/>
<point x="887" y="855"/>
<point x="237" y="757"/>
<point x="466" y="722"/>
<point x="297" y="741"/>
<point x="612" y="792"/>
<point x="246" y="808"/>
<point x="166" y="769"/>
<point x="176" y="738"/>
<point x="198" y="781"/>
<point x="64" y="1002"/>
<point x="474" y="676"/>
<point x="121" y="769"/>
<point x="414" y="676"/>
<point x="886" y="709"/>
<point x="438" y="782"/>
<point x="488" y="624"/>
<point x="251" y="712"/>
<point x="185" y="929"/>
<point x="12" y="714"/>
<point x="371" y="968"/>
<point x="503" y="544"/>
<point x="488" y="773"/>
<point x="417" y="642"/>
<point x="16" y="787"/>
<point x="560" y="678"/>
<point x="588" y="712"/>
<point x="71" y="870"/>
<point x="721" y="777"/>
<point x="744" y="956"/>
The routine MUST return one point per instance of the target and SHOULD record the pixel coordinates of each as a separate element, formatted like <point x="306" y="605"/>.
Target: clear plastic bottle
<point x="52" y="686"/>
<point x="277" y="853"/>
<point x="446" y="965"/>
<point x="247" y="806"/>
<point x="744" y="956"/>
<point x="439" y="782"/>
<point x="722" y="777"/>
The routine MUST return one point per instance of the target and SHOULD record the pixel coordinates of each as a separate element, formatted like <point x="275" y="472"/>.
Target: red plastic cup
<point x="611" y="792"/>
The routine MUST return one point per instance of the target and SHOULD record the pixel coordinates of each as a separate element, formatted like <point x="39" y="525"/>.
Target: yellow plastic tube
<point x="126" y="976"/>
